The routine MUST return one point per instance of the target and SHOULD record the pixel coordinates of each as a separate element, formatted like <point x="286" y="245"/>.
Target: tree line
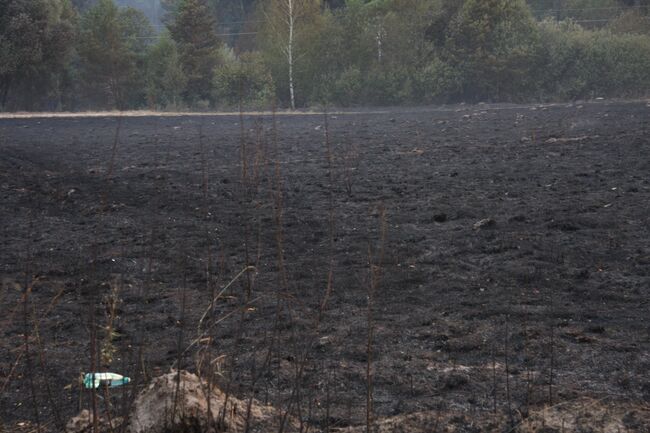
<point x="94" y="54"/>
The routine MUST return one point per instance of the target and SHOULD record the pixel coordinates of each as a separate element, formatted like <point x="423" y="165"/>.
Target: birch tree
<point x="285" y="21"/>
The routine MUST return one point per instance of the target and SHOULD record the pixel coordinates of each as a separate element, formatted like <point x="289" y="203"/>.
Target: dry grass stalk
<point x="375" y="264"/>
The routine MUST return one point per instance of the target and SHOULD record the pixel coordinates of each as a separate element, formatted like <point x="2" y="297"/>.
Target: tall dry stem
<point x="507" y="368"/>
<point x="552" y="349"/>
<point x="27" y="330"/>
<point x="375" y="268"/>
<point x="179" y="346"/>
<point x="330" y="176"/>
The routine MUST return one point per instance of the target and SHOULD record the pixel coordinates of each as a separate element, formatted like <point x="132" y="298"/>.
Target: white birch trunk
<point x="379" y="47"/>
<point x="380" y="39"/>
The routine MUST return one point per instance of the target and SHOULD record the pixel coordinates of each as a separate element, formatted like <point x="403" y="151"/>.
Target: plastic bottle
<point x="112" y="380"/>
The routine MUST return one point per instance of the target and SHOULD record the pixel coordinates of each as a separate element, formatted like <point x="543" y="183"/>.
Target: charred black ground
<point x="517" y="225"/>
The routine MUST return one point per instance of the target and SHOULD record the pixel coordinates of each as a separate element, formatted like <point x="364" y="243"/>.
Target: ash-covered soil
<point x="513" y="275"/>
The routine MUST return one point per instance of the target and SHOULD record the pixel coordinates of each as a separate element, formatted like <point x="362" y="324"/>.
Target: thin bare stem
<point x="26" y="332"/>
<point x="375" y="275"/>
<point x="507" y="368"/>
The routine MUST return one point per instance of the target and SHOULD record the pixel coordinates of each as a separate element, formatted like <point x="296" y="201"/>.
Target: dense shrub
<point x="347" y="88"/>
<point x="112" y="48"/>
<point x="164" y="75"/>
<point x="36" y="40"/>
<point x="243" y="80"/>
<point x="491" y="44"/>
<point x="438" y="82"/>
<point x="582" y="63"/>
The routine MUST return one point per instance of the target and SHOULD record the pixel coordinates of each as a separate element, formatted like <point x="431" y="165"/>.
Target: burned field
<point x="503" y="250"/>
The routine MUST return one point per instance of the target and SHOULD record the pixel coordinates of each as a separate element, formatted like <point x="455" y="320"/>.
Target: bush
<point x="385" y="86"/>
<point x="583" y="64"/>
<point x="491" y="45"/>
<point x="165" y="80"/>
<point x="344" y="90"/>
<point x="243" y="80"/>
<point x="622" y="64"/>
<point x="437" y="82"/>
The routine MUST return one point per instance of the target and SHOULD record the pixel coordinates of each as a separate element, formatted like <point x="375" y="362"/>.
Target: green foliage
<point x="35" y="45"/>
<point x="438" y="26"/>
<point x="346" y="89"/>
<point x="165" y="81"/>
<point x="387" y="86"/>
<point x="491" y="44"/>
<point x="438" y="82"/>
<point x="418" y="51"/>
<point x="112" y="49"/>
<point x="583" y="63"/>
<point x="591" y="11"/>
<point x="290" y="31"/>
<point x="372" y="52"/>
<point x="193" y="30"/>
<point x="244" y="80"/>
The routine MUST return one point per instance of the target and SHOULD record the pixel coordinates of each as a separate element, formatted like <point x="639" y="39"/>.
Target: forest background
<point x="216" y="54"/>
